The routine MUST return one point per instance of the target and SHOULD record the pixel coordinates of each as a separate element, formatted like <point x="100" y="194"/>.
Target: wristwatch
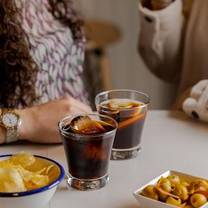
<point x="11" y="121"/>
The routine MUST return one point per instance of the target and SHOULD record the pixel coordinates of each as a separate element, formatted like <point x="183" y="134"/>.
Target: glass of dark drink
<point x="88" y="140"/>
<point x="129" y="109"/>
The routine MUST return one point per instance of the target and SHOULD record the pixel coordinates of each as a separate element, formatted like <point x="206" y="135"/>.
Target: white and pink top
<point x="58" y="55"/>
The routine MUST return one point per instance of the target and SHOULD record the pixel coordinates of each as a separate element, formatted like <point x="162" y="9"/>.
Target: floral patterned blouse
<point x="58" y="56"/>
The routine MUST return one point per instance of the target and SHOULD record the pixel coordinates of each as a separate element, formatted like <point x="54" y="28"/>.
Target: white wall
<point x="128" y="70"/>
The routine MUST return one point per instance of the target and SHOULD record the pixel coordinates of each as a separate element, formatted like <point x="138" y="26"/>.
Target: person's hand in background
<point x="156" y="4"/>
<point x="196" y="106"/>
<point x="40" y="123"/>
<point x="160" y="4"/>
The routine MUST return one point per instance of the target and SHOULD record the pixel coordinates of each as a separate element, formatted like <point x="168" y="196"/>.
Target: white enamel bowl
<point x="38" y="198"/>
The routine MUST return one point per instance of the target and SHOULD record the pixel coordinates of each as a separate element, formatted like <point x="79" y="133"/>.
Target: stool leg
<point x="105" y="68"/>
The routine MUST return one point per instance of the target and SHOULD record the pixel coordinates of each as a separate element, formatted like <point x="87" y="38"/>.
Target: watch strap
<point x="11" y="132"/>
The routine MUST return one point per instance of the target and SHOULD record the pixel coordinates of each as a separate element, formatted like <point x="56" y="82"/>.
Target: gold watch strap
<point x="11" y="135"/>
<point x="11" y="132"/>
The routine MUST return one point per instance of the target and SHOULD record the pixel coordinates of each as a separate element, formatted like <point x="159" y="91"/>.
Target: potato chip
<point x="45" y="170"/>
<point x="24" y="159"/>
<point x="42" y="171"/>
<point x="40" y="180"/>
<point x="38" y="165"/>
<point x="6" y="164"/>
<point x="11" y="180"/>
<point x="33" y="180"/>
<point x="37" y="181"/>
<point x="48" y="169"/>
<point x="23" y="172"/>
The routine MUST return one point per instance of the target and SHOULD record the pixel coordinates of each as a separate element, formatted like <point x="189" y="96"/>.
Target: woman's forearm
<point x="27" y="125"/>
<point x="40" y="123"/>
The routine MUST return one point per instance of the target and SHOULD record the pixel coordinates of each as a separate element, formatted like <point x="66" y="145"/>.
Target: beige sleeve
<point x="160" y="40"/>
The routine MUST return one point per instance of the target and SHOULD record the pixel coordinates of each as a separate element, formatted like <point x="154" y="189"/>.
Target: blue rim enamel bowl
<point x="33" y="198"/>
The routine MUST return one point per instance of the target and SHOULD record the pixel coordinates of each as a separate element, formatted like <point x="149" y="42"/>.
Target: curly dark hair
<point x="18" y="71"/>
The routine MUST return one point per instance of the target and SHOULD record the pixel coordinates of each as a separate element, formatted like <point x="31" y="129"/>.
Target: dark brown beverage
<point x="88" y="145"/>
<point x="128" y="108"/>
<point x="130" y="116"/>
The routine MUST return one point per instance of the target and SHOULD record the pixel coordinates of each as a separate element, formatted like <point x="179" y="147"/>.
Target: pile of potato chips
<point x="22" y="172"/>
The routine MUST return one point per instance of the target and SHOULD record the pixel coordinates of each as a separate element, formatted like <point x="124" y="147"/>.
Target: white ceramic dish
<point x="37" y="198"/>
<point x="145" y="202"/>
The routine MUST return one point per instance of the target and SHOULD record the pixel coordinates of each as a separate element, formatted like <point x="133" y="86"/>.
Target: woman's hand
<point x="40" y="123"/>
<point x="156" y="4"/>
<point x="160" y="4"/>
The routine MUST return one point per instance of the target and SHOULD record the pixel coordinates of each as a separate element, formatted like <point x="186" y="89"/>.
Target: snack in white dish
<point x="174" y="189"/>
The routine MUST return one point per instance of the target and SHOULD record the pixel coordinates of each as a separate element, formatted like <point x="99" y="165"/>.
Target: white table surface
<point x="170" y="141"/>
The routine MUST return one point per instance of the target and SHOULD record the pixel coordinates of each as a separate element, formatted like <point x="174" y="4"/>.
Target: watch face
<point x="10" y="119"/>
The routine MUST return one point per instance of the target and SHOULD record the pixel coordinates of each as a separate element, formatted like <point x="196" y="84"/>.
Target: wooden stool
<point x="99" y="36"/>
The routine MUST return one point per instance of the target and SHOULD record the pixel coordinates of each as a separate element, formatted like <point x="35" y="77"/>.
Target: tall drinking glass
<point x="129" y="109"/>
<point x="88" y="141"/>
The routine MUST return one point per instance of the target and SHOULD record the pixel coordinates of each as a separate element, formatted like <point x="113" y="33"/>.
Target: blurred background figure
<point x="174" y="47"/>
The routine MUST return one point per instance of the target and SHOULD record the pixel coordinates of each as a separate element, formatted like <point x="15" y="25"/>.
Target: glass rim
<point x="60" y="125"/>
<point x="125" y="90"/>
